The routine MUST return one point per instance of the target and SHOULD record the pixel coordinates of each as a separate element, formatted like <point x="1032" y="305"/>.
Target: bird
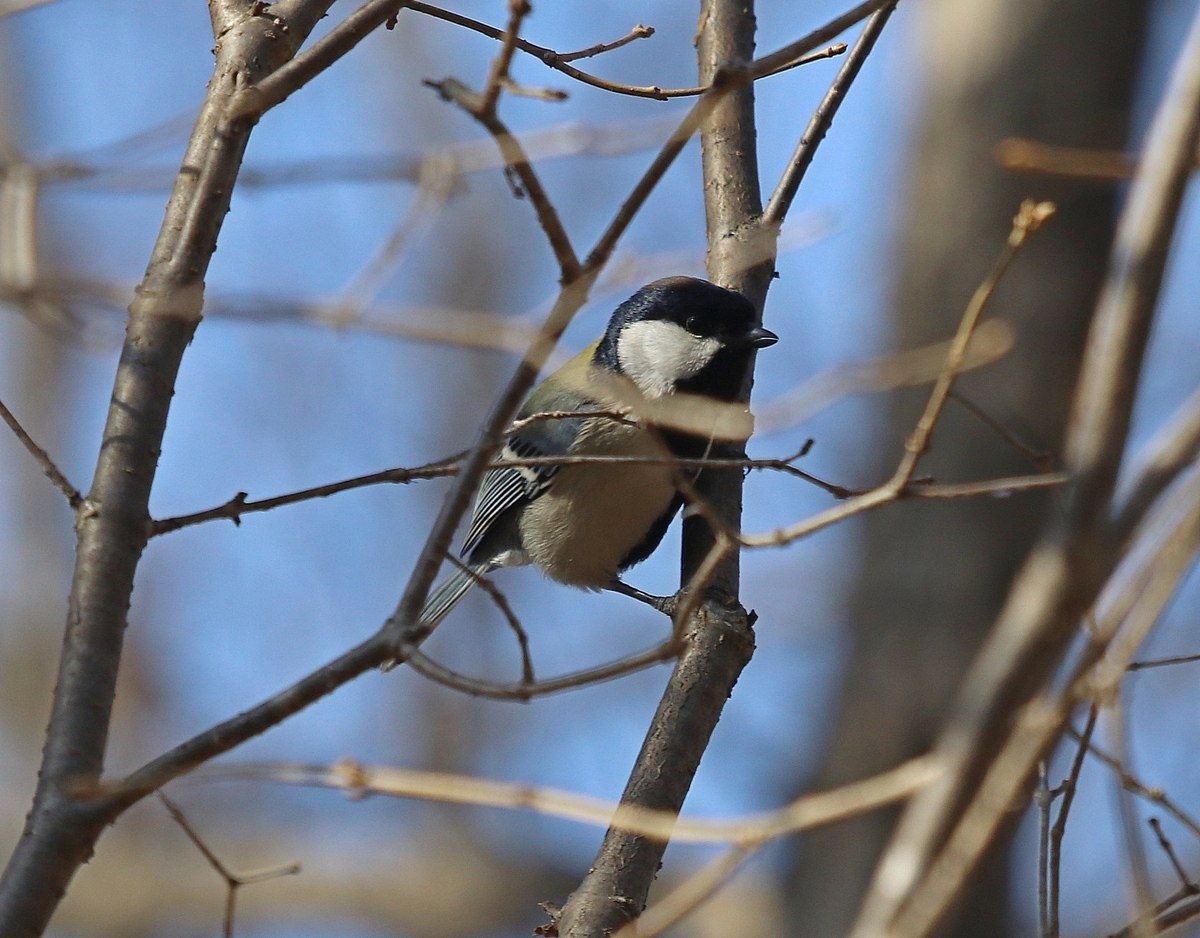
<point x="663" y="381"/>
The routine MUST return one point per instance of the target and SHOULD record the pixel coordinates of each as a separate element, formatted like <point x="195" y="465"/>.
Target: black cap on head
<point x="701" y="307"/>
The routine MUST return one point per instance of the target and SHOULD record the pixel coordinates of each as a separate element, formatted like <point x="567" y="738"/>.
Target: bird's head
<point x="683" y="334"/>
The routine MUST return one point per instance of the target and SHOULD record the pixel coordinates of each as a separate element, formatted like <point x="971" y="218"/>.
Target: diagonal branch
<point x="60" y="832"/>
<point x="51" y="470"/>
<point x="1065" y="571"/>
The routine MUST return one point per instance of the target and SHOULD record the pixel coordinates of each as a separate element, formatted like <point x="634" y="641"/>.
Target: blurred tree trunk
<point x="934" y="574"/>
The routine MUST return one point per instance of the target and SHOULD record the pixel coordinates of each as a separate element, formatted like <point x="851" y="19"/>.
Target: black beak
<point x="758" y="337"/>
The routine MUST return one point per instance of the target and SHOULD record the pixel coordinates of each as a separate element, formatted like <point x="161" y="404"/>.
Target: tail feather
<point x="445" y="596"/>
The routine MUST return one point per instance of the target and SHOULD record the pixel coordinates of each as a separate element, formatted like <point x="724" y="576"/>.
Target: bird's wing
<point x="505" y="487"/>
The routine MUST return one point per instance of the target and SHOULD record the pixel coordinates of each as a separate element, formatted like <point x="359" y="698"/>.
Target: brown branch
<point x="717" y="631"/>
<point x="559" y="61"/>
<point x="517" y="162"/>
<point x="527" y="689"/>
<point x="1029" y="218"/>
<point x="1150" y="793"/>
<point x="500" y="601"/>
<point x="111" y="528"/>
<point x="239" y="506"/>
<point x="1133" y="598"/>
<point x="1164" y="662"/>
<point x="49" y="468"/>
<point x="638" y="32"/>
<point x="276" y="87"/>
<point x="804" y="813"/>
<point x="822" y="119"/>
<point x="1064" y="573"/>
<point x="1068" y="788"/>
<point x="498" y="73"/>
<point x="233" y="881"/>
<point x="62" y="830"/>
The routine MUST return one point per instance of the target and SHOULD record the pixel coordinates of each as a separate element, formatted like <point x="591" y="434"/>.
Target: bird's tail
<point x="445" y="596"/>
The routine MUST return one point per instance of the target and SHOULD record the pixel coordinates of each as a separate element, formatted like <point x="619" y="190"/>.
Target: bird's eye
<point x="700" y="325"/>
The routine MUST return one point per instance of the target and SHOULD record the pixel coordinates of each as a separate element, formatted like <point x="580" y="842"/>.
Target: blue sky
<point x="226" y="615"/>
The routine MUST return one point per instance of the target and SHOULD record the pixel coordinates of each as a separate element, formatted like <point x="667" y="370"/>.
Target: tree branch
<point x="1077" y="552"/>
<point x="60" y="832"/>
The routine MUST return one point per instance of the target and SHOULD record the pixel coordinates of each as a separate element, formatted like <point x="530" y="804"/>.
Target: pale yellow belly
<point x="582" y="541"/>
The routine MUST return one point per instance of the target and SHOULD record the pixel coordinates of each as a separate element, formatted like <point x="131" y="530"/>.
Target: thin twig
<point x="638" y="32"/>
<point x="559" y="61"/>
<point x="275" y="88"/>
<point x="1154" y="795"/>
<point x="822" y="119"/>
<point x="1027" y="221"/>
<point x="233" y="881"/>
<point x="1069" y="786"/>
<point x="1040" y="459"/>
<point x="1163" y="662"/>
<point x="525" y="690"/>
<point x="60" y="834"/>
<point x="498" y="73"/>
<point x="51" y="471"/>
<point x="517" y="162"/>
<point x="501" y="602"/>
<point x="239" y="506"/>
<point x="1185" y="881"/>
<point x="1043" y="798"/>
<point x="804" y="813"/>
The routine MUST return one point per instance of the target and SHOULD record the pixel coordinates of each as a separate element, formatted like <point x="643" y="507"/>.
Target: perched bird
<point x="662" y="382"/>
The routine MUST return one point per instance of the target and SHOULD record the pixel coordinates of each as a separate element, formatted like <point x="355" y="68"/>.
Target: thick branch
<point x="1077" y="552"/>
<point x="112" y="528"/>
<point x="720" y="639"/>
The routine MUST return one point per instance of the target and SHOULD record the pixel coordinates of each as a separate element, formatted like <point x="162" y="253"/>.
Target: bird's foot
<point x="664" y="604"/>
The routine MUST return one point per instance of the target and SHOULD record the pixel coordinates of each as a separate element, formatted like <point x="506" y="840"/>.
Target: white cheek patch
<point x="656" y="355"/>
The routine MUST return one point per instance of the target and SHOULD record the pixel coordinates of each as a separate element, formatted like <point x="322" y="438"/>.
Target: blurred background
<point x="352" y="268"/>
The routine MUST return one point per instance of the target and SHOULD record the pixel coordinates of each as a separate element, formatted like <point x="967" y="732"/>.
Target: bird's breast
<point x="582" y="540"/>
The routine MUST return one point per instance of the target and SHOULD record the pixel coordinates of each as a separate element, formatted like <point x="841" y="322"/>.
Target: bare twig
<point x="1187" y="886"/>
<point x="111" y="526"/>
<point x="233" y="881"/>
<point x="49" y="468"/>
<point x="638" y="32"/>
<point x="1150" y="793"/>
<point x="277" y="86"/>
<point x="1043" y="798"/>
<point x="559" y="61"/>
<point x="1163" y="662"/>
<point x="498" y="73"/>
<point x="501" y="602"/>
<point x="805" y="813"/>
<point x="1038" y="458"/>
<point x="239" y="506"/>
<point x="483" y="109"/>
<point x="527" y="689"/>
<point x="1135" y="595"/>
<point x="822" y="119"/>
<point x="1064" y="573"/>
<point x="1029" y="218"/>
<point x="1068" y="788"/>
